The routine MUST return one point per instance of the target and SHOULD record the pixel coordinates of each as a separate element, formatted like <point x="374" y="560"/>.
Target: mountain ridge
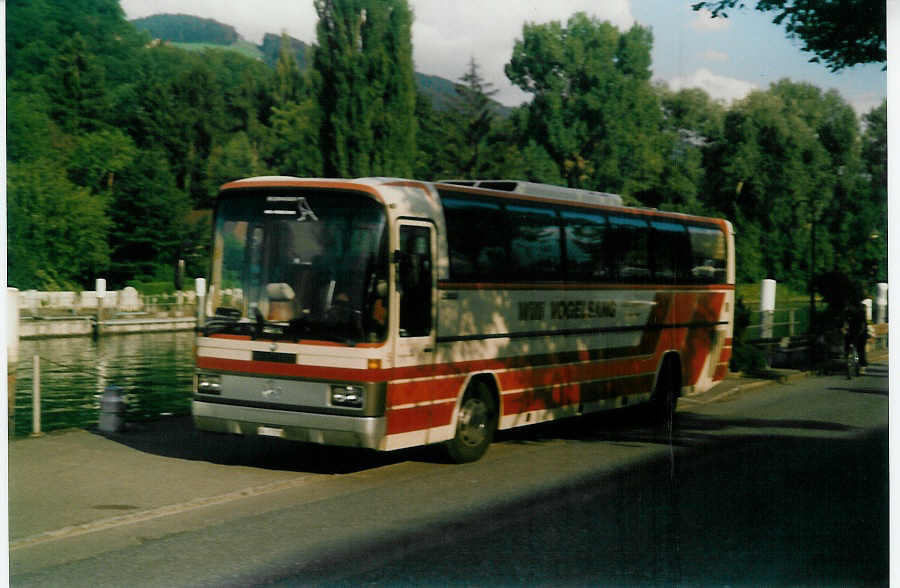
<point x="186" y="30"/>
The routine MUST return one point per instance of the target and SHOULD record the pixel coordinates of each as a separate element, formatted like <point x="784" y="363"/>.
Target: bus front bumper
<point x="324" y="429"/>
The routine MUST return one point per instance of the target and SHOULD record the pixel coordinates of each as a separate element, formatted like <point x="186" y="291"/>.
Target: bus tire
<point x="475" y="424"/>
<point x="664" y="400"/>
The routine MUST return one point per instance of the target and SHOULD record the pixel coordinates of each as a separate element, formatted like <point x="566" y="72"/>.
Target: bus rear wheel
<point x="475" y="425"/>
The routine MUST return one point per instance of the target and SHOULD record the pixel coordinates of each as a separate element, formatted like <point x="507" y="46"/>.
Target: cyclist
<point x="856" y="331"/>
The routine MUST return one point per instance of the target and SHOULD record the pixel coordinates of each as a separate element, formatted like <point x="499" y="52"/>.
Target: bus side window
<point x="707" y="254"/>
<point x="671" y="250"/>
<point x="586" y="253"/>
<point x="475" y="238"/>
<point x="534" y="244"/>
<point x="628" y="241"/>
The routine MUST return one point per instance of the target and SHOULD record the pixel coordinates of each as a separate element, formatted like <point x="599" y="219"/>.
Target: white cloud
<point x="444" y="40"/>
<point x="718" y="87"/>
<point x="704" y="21"/>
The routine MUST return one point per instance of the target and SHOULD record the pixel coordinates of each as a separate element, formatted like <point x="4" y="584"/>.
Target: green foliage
<point x="272" y="45"/>
<point x="366" y="88"/>
<point x="594" y="111"/>
<point x="473" y="118"/>
<point x="98" y="157"/>
<point x="242" y="48"/>
<point x="842" y="33"/>
<point x="296" y="129"/>
<point x="288" y="79"/>
<point x="182" y="28"/>
<point x="57" y="230"/>
<point x="148" y="211"/>
<point x="77" y="83"/>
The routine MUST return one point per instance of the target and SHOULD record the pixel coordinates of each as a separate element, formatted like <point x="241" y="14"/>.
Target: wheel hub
<point x="473" y="422"/>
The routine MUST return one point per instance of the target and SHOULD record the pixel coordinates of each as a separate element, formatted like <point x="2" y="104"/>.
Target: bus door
<point x="415" y="277"/>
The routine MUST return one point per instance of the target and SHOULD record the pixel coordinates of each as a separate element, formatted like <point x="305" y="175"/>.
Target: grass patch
<point x="245" y="48"/>
<point x="784" y="296"/>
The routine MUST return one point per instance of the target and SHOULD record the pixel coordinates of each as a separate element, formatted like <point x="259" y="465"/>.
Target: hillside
<point x="193" y="33"/>
<point x="184" y="28"/>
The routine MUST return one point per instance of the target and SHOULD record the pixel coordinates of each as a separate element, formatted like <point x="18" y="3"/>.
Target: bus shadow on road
<point x="175" y="437"/>
<point x="633" y="427"/>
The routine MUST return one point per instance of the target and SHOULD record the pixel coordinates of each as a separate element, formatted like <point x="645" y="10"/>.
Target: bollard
<point x="112" y="410"/>
<point x="767" y="309"/>
<point x="36" y="398"/>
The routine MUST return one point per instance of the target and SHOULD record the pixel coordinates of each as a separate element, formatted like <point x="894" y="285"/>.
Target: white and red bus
<point x="386" y="313"/>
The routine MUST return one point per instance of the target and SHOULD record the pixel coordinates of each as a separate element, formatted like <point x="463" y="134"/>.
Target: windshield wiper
<point x="218" y="324"/>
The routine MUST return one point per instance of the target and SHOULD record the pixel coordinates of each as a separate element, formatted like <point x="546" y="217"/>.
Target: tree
<point x="473" y="113"/>
<point x="691" y="122"/>
<point x="769" y="176"/>
<point x="594" y="111"/>
<point x="77" y="83"/>
<point x="57" y="230"/>
<point x="237" y="159"/>
<point x="366" y="88"/>
<point x="98" y="157"/>
<point x="842" y="33"/>
<point x="148" y="212"/>
<point x="873" y="225"/>
<point x="288" y="79"/>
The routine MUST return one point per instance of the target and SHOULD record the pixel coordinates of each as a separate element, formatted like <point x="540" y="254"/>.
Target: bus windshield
<point x="300" y="264"/>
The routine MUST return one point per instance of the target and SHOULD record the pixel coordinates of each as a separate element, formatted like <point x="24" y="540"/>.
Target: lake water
<point x="155" y="371"/>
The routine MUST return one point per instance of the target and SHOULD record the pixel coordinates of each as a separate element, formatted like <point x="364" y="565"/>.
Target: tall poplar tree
<point x="288" y="79"/>
<point x="366" y="90"/>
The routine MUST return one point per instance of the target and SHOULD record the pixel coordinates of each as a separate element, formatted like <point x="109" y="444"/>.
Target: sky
<point x="726" y="57"/>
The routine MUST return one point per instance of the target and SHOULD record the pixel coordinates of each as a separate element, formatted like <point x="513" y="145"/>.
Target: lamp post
<point x="812" y="287"/>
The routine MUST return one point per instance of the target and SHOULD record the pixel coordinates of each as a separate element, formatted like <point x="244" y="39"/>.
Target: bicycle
<point x="852" y="361"/>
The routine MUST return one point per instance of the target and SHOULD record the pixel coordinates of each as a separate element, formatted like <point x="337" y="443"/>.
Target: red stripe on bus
<point x="442" y="414"/>
<point x="725" y="356"/>
<point x="541" y="399"/>
<point x="570" y="286"/>
<point x="721" y="372"/>
<point x="405" y="420"/>
<point x="423" y="390"/>
<point x="289" y="370"/>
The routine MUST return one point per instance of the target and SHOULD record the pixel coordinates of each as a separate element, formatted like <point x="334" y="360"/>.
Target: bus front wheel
<point x="475" y="425"/>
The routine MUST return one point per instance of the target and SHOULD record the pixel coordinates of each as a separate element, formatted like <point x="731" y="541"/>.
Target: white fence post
<point x="36" y="398"/>
<point x="200" y="288"/>
<point x="767" y="308"/>
<point x="12" y="357"/>
<point x="881" y="303"/>
<point x="100" y="288"/>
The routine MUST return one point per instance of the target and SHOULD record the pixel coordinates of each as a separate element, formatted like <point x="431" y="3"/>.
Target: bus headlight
<point x="209" y="384"/>
<point x="349" y="396"/>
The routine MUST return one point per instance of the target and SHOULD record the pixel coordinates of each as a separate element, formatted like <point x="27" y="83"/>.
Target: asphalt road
<point x="783" y="485"/>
